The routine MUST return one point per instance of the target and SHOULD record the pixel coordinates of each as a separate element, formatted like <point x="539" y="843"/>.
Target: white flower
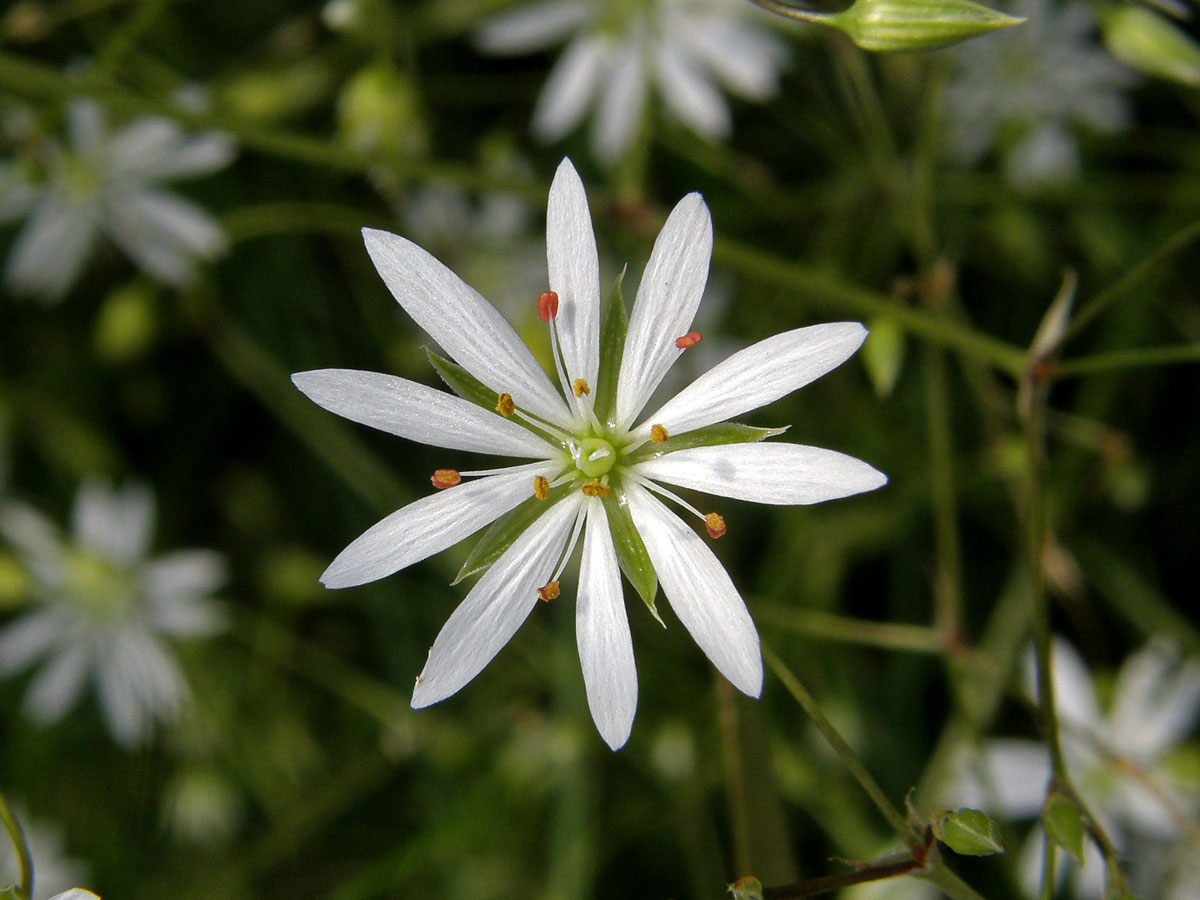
<point x="1114" y="758"/>
<point x="53" y="870"/>
<point x="1026" y="90"/>
<point x="108" y="183"/>
<point x="687" y="49"/>
<point x="103" y="610"/>
<point x="597" y="459"/>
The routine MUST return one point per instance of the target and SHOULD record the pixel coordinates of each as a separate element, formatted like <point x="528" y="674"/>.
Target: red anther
<point x="547" y="305"/>
<point x="714" y="525"/>
<point x="445" y="478"/>
<point x="691" y="339"/>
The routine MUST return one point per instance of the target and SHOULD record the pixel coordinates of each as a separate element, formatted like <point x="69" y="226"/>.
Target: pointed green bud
<point x="748" y="888"/>
<point x="903" y="25"/>
<point x="968" y="832"/>
<point x="1142" y="38"/>
<point x="1064" y="824"/>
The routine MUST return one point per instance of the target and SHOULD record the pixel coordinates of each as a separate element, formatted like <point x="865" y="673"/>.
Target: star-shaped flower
<point x="598" y="462"/>
<point x="686" y="49"/>
<point x="103" y="610"/>
<point x="108" y="182"/>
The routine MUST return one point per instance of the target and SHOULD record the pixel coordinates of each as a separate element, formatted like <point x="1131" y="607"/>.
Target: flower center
<point x="102" y="590"/>
<point x="596" y="457"/>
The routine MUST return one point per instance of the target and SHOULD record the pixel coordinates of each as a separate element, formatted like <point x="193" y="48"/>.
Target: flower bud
<point x="904" y="25"/>
<point x="1142" y="38"/>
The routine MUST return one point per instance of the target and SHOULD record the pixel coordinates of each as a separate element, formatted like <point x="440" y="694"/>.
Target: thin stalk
<point x="848" y="630"/>
<point x="126" y="36"/>
<point x="1118" y="360"/>
<point x="24" y="887"/>
<point x="947" y="616"/>
<point x="849" y="758"/>
<point x="735" y="782"/>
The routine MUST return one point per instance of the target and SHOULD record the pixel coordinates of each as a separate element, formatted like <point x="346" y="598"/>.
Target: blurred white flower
<point x="104" y="182"/>
<point x="616" y="52"/>
<point x="599" y="462"/>
<point x="103" y="610"/>
<point x="1026" y="90"/>
<point x="53" y="870"/>
<point x="1115" y="758"/>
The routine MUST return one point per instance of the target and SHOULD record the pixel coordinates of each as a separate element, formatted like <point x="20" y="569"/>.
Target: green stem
<point x="735" y="782"/>
<point x="849" y="759"/>
<point x="1128" y="359"/>
<point x="24" y="888"/>
<point x="126" y="36"/>
<point x="1176" y="242"/>
<point x="948" y="572"/>
<point x="825" y="289"/>
<point x="828" y="626"/>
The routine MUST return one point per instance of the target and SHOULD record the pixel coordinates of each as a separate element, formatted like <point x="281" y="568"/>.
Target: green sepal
<point x="614" y="322"/>
<point x="968" y="832"/>
<point x="723" y="433"/>
<point x="631" y="551"/>
<point x="1064" y="824"/>
<point x="500" y="536"/>
<point x="463" y="382"/>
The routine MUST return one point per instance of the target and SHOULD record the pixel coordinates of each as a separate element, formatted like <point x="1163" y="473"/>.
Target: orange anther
<point x="505" y="405"/>
<point x="541" y="487"/>
<point x="691" y="339"/>
<point x="550" y="591"/>
<point x="595" y="489"/>
<point x="658" y="434"/>
<point x="547" y="305"/>
<point x="580" y="387"/>
<point x="714" y="525"/>
<point x="445" y="478"/>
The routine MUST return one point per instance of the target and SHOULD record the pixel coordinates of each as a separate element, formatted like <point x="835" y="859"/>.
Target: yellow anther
<point x="541" y="487"/>
<point x="505" y="405"/>
<point x="549" y="592"/>
<point x="658" y="434"/>
<point x="445" y="478"/>
<point x="595" y="489"/>
<point x="580" y="387"/>
<point x="714" y="525"/>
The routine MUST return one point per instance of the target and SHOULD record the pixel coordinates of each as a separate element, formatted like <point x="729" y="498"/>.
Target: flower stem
<point x="849" y="759"/>
<point x="735" y="782"/>
<point x="1128" y="359"/>
<point x="24" y="888"/>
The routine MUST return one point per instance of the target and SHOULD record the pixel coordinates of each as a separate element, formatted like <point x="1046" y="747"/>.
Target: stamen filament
<point x="659" y="489"/>
<point x="562" y="563"/>
<point x="538" y="468"/>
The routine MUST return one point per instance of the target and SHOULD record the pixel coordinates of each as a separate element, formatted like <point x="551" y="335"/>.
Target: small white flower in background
<point x="1115" y="757"/>
<point x="104" y="610"/>
<point x="1027" y="90"/>
<point x="687" y="50"/>
<point x="105" y="182"/>
<point x="598" y="460"/>
<point x="53" y="871"/>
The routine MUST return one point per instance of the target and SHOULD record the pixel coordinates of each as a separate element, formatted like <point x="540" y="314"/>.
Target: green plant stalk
<point x="1119" y="360"/>
<point x="849" y="759"/>
<point x="735" y="782"/>
<point x="947" y="592"/>
<point x="847" y="630"/>
<point x="1049" y="858"/>
<point x="24" y="887"/>
<point x="126" y="36"/>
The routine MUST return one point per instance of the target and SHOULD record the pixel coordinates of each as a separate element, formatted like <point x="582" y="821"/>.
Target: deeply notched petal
<point x="574" y="270"/>
<point x="775" y="473"/>
<point x="419" y="413"/>
<point x="602" y="631"/>
<point x="428" y="526"/>
<point x="700" y="592"/>
<point x="496" y="607"/>
<point x="466" y="326"/>
<point x="758" y="375"/>
<point x="667" y="299"/>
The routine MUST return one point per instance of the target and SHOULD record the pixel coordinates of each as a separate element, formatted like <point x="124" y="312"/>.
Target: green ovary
<point x="596" y="457"/>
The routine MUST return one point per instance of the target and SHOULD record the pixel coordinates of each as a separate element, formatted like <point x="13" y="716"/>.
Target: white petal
<point x="464" y="324"/>
<point x="163" y="233"/>
<point x="430" y="525"/>
<point x="532" y="27"/>
<point x="622" y="102"/>
<point x="746" y="59"/>
<point x="602" y="631"/>
<point x="17" y="194"/>
<point x="781" y="474"/>
<point x="118" y="523"/>
<point x="569" y="88"/>
<point x="190" y="573"/>
<point x="85" y="125"/>
<point x="667" y="299"/>
<point x="419" y="413"/>
<point x="52" y="248"/>
<point x="1154" y="703"/>
<point x="574" y="269"/>
<point x="689" y="95"/>
<point x="495" y="608"/>
<point x="57" y="686"/>
<point x="1008" y="773"/>
<point x="758" y="375"/>
<point x="31" y="636"/>
<point x="153" y="149"/>
<point x="1075" y="697"/>
<point x="699" y="591"/>
<point x="35" y="537"/>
